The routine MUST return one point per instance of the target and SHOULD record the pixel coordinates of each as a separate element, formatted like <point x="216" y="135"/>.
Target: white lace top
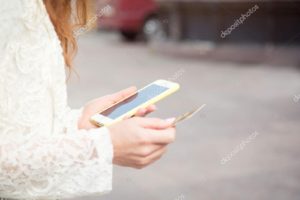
<point x="42" y="154"/>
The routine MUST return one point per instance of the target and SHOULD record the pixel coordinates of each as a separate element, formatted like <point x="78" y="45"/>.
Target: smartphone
<point x="144" y="97"/>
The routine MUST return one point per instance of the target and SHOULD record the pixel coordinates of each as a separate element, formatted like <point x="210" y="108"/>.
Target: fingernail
<point x="170" y="120"/>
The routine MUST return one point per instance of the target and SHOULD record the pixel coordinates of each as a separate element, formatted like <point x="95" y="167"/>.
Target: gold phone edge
<point x="154" y="100"/>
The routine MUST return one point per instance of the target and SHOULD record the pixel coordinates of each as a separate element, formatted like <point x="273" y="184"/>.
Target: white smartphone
<point x="144" y="97"/>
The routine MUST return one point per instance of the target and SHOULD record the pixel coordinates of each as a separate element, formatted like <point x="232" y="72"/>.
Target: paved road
<point x="244" y="145"/>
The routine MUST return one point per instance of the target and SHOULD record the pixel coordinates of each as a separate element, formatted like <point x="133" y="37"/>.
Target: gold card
<point x="188" y="115"/>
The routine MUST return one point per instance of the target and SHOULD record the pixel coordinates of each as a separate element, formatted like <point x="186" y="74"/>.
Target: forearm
<point x="61" y="166"/>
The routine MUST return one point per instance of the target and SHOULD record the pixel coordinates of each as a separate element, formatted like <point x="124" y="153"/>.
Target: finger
<point x="146" y="150"/>
<point x="151" y="108"/>
<point x="118" y="96"/>
<point x="155" y="123"/>
<point x="141" y="112"/>
<point x="163" y="136"/>
<point x="156" y="155"/>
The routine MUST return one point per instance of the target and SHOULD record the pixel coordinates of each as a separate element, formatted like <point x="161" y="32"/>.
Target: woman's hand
<point x="138" y="142"/>
<point x="102" y="103"/>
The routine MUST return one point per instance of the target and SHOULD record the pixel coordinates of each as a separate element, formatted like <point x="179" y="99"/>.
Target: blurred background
<point x="240" y="57"/>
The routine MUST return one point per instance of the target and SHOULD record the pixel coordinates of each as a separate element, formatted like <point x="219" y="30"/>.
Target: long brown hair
<point x="67" y="16"/>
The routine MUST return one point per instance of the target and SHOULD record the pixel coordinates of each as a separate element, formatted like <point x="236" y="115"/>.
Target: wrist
<point x="84" y="122"/>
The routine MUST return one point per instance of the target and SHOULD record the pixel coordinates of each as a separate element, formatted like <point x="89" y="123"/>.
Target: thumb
<point x="155" y="123"/>
<point x="118" y="96"/>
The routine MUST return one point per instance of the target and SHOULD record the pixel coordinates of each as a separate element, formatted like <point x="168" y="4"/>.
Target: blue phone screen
<point x="134" y="101"/>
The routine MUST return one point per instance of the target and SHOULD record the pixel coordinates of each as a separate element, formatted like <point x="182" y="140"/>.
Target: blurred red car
<point x="130" y="17"/>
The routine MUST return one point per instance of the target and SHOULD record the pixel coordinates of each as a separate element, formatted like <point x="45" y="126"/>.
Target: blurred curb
<point x="245" y="53"/>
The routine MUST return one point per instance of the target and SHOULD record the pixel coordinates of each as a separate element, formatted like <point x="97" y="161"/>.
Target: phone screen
<point x="134" y="101"/>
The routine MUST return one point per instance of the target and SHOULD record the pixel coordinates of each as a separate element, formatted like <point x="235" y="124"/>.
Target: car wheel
<point x="153" y="30"/>
<point x="129" y="36"/>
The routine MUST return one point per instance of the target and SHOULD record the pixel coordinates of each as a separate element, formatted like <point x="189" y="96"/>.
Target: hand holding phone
<point x="144" y="97"/>
<point x="105" y="102"/>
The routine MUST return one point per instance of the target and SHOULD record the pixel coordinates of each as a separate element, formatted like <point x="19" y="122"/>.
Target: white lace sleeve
<point x="72" y="117"/>
<point x="42" y="154"/>
<point x="60" y="166"/>
<point x="37" y="161"/>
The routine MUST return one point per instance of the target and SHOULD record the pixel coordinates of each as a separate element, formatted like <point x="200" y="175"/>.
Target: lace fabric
<point x="43" y="155"/>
